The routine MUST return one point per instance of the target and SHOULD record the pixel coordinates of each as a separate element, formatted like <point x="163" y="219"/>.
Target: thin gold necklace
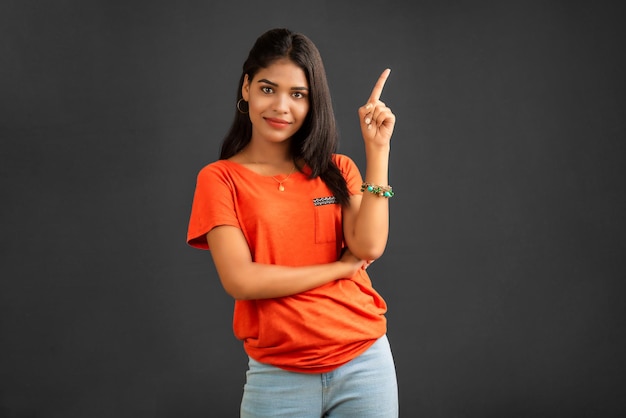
<point x="280" y="182"/>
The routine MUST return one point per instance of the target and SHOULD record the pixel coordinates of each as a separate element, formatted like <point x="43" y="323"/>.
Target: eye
<point x="267" y="90"/>
<point x="298" y="95"/>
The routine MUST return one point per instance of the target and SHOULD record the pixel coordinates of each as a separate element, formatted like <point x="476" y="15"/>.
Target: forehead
<point x="283" y="72"/>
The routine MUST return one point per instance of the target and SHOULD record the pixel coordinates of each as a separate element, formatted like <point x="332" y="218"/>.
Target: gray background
<point x="505" y="265"/>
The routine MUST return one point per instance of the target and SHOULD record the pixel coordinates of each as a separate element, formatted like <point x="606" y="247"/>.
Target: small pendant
<point x="281" y="187"/>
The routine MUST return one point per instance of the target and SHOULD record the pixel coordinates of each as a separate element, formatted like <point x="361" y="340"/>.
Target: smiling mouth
<point x="277" y="123"/>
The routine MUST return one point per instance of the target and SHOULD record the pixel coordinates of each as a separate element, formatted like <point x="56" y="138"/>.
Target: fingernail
<point x="369" y="126"/>
<point x="368" y="106"/>
<point x="367" y="121"/>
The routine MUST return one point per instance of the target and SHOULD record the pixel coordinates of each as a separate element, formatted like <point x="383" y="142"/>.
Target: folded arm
<point x="245" y="279"/>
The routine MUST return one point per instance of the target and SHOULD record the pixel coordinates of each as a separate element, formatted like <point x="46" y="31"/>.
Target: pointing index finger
<point x="378" y="87"/>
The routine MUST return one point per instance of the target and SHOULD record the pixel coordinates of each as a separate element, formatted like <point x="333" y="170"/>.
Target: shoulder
<point x="215" y="166"/>
<point x="217" y="175"/>
<point x="350" y="172"/>
<point x="219" y="169"/>
<point x="344" y="163"/>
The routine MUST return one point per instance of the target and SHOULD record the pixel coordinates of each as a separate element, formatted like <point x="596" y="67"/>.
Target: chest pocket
<point x="327" y="221"/>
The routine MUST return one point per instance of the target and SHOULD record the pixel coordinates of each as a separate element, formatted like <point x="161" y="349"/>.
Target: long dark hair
<point x="317" y="138"/>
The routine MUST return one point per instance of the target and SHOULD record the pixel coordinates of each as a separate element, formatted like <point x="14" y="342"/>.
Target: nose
<point x="281" y="104"/>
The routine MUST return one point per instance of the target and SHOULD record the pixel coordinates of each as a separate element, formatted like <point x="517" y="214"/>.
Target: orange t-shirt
<point x="313" y="331"/>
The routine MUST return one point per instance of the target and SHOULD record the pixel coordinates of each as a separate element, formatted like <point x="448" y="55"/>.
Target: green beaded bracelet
<point x="382" y="191"/>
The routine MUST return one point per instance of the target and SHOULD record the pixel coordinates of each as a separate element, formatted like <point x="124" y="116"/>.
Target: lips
<point x="277" y="123"/>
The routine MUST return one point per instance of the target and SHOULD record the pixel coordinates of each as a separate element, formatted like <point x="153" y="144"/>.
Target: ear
<point x="245" y="88"/>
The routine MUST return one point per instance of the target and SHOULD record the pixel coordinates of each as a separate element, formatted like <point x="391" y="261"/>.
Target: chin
<point x="278" y="138"/>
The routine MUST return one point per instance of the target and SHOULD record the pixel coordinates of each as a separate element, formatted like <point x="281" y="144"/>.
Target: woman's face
<point x="278" y="101"/>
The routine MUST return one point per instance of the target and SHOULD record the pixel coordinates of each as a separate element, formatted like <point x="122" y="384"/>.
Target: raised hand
<point x="377" y="120"/>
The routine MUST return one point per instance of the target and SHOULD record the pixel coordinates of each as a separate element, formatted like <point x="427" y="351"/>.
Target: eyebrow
<point x="271" y="83"/>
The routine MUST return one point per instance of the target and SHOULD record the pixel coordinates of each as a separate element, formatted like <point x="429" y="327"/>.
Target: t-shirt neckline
<point x="242" y="167"/>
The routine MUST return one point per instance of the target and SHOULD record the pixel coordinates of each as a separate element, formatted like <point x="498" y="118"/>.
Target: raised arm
<point x="243" y="278"/>
<point x="366" y="220"/>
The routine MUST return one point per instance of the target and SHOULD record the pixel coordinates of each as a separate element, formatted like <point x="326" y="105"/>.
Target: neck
<point x="271" y="154"/>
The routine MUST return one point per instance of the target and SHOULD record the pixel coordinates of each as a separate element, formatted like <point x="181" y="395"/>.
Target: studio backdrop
<point x="504" y="271"/>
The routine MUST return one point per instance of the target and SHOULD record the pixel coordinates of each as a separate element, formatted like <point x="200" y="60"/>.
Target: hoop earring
<point x="239" y="106"/>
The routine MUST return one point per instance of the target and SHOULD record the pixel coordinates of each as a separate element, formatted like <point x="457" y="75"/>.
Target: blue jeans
<point x="365" y="387"/>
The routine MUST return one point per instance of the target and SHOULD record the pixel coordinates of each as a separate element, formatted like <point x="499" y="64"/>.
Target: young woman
<point x="292" y="227"/>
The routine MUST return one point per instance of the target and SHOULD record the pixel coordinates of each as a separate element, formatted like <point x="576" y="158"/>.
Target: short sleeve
<point x="350" y="172"/>
<point x="213" y="205"/>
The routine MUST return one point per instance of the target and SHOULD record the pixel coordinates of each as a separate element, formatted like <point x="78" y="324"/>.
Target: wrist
<point x="376" y="149"/>
<point x="343" y="269"/>
<point x="377" y="189"/>
<point x="377" y="158"/>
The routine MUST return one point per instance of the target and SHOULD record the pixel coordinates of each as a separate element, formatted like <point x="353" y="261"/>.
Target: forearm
<point x="242" y="278"/>
<point x="263" y="281"/>
<point x="371" y="224"/>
